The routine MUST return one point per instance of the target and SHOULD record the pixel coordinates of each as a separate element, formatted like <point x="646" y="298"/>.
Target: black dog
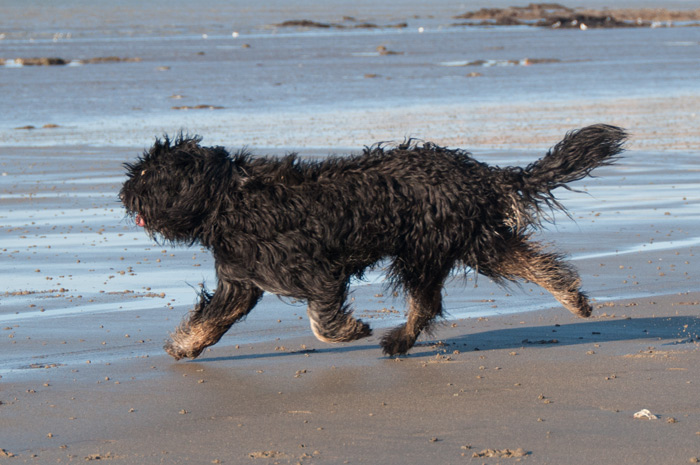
<point x="303" y="229"/>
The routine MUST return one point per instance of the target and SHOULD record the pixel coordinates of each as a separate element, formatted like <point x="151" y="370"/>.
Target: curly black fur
<point x="303" y="229"/>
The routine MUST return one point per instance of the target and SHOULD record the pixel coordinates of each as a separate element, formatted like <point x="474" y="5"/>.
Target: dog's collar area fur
<point x="242" y="173"/>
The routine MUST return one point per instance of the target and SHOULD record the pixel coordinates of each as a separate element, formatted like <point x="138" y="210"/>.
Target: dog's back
<point x="423" y="204"/>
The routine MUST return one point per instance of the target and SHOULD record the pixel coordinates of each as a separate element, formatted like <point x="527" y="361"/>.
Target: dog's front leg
<point x="212" y="317"/>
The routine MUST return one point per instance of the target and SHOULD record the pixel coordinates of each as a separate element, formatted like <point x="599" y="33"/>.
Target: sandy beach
<point x="549" y="389"/>
<point x="509" y="376"/>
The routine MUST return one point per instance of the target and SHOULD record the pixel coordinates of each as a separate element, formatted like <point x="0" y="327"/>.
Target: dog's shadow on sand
<point x="661" y="331"/>
<point x="276" y="354"/>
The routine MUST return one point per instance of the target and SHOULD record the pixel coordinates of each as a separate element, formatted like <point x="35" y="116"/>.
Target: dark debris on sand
<point x="554" y="15"/>
<point x="57" y="61"/>
<point x="348" y="23"/>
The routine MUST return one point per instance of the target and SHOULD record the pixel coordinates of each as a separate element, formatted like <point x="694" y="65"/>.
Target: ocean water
<point x="302" y="87"/>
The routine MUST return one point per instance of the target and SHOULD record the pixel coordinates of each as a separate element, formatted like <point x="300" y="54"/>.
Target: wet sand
<point x="563" y="391"/>
<point x="656" y="123"/>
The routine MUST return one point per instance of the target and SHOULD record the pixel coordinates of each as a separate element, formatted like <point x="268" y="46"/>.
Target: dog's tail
<point x="572" y="159"/>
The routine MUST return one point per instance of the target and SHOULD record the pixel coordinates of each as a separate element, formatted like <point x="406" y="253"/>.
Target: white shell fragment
<point x="645" y="415"/>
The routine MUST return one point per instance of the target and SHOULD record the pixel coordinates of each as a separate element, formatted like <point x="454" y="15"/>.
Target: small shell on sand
<point x="645" y="415"/>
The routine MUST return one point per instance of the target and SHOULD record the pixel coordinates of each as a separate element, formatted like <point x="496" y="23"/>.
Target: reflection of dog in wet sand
<point x="303" y="229"/>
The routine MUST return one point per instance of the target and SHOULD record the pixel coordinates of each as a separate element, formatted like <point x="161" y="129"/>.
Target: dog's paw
<point x="351" y="330"/>
<point x="397" y="342"/>
<point x="354" y="330"/>
<point x="584" y="311"/>
<point x="362" y="330"/>
<point x="178" y="352"/>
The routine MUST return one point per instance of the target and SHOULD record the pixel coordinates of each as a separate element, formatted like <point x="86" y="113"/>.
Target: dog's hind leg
<point x="424" y="306"/>
<point x="332" y="321"/>
<point x="212" y="317"/>
<point x="548" y="270"/>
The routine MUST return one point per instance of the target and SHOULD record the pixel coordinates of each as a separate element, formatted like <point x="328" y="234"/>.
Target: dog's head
<point x="171" y="190"/>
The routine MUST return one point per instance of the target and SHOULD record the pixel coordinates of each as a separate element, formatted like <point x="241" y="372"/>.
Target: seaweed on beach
<point x="556" y="16"/>
<point x="353" y="24"/>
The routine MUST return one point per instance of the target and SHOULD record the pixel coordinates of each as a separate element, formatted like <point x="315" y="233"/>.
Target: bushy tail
<point x="574" y="158"/>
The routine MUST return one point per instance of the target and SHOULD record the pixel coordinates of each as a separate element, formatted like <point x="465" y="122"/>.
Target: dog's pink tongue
<point x="140" y="221"/>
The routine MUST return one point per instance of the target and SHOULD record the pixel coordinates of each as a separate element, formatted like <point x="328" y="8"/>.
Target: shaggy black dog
<point x="303" y="229"/>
